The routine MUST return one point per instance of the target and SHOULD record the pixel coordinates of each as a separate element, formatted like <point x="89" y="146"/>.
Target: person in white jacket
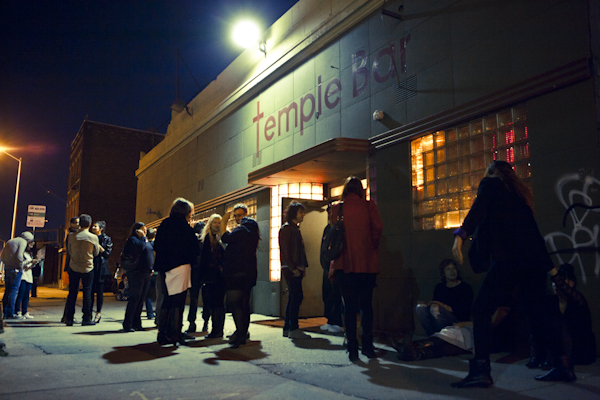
<point x="25" y="288"/>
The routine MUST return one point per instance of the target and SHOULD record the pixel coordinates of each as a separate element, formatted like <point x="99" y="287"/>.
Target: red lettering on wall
<point x="359" y="69"/>
<point x="286" y="111"/>
<point x="306" y="118"/>
<point x="256" y="119"/>
<point x="391" y="72"/>
<point x="331" y="92"/>
<point x="268" y="126"/>
<point x="319" y="96"/>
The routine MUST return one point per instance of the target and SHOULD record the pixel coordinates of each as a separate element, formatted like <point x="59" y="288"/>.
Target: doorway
<point x="312" y="231"/>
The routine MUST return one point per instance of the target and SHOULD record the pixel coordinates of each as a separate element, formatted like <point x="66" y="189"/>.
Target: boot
<point x="218" y="316"/>
<point x="163" y="329"/>
<point x="367" y="346"/>
<point x="479" y="375"/>
<point x="537" y="355"/>
<point x="562" y="371"/>
<point x="353" y="351"/>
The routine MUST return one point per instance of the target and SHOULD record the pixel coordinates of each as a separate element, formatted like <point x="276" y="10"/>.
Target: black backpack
<point x="334" y="240"/>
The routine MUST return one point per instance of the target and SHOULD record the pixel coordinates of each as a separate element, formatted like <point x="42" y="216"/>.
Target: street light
<point x="14" y="221"/>
<point x="247" y="33"/>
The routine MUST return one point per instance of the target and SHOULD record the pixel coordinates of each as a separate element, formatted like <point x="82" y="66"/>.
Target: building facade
<point x="102" y="180"/>
<point x="415" y="97"/>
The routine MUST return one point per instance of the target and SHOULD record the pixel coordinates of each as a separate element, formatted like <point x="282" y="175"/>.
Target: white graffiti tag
<point x="573" y="190"/>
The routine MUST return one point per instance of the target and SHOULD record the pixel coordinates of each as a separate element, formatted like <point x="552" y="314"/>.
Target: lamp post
<point x="14" y="221"/>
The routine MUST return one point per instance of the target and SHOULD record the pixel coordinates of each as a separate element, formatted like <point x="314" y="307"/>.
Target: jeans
<point x="138" y="288"/>
<point x="295" y="297"/>
<point x="332" y="300"/>
<point x="434" y="318"/>
<point x="23" y="296"/>
<point x="97" y="290"/>
<point x="194" y="295"/>
<point x="357" y="292"/>
<point x="87" y="280"/>
<point x="12" y="282"/>
<point x="149" y="309"/>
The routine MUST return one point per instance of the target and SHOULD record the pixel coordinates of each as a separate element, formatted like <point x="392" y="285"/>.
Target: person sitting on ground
<point x="452" y="300"/>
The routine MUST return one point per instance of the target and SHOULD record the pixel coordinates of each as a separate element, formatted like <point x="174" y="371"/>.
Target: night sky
<point x="113" y="61"/>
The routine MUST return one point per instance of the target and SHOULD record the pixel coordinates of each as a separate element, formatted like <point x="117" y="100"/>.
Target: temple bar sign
<point x="36" y="216"/>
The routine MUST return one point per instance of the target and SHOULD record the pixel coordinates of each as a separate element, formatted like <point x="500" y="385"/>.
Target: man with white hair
<point x="13" y="257"/>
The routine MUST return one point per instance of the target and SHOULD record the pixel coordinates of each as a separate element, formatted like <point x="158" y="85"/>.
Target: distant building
<point x="102" y="180"/>
<point x="417" y="98"/>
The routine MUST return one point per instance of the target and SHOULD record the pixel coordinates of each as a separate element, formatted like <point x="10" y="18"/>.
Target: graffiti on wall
<point x="579" y="193"/>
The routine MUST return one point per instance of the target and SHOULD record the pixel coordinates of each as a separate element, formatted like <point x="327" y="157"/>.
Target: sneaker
<point x="325" y="327"/>
<point x="286" y="333"/>
<point x="335" y="329"/>
<point x="18" y="315"/>
<point x="298" y="334"/>
<point x="28" y="316"/>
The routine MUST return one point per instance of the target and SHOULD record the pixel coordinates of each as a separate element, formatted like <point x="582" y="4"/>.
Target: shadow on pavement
<point x="252" y="350"/>
<point x="101" y="333"/>
<point x="317" y="343"/>
<point x="30" y="324"/>
<point x="138" y="353"/>
<point x="422" y="379"/>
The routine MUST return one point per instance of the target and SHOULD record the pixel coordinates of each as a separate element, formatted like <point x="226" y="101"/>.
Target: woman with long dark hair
<point x="357" y="267"/>
<point x="518" y="258"/>
<point x="139" y="279"/>
<point x="176" y="248"/>
<point x="101" y="270"/>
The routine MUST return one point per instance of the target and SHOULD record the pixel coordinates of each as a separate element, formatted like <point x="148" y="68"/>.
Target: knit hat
<point x="27" y="236"/>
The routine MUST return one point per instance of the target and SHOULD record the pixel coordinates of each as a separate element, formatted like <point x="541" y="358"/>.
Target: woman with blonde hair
<point x="211" y="273"/>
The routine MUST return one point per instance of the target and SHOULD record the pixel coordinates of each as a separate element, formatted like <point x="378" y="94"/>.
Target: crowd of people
<point x="177" y="258"/>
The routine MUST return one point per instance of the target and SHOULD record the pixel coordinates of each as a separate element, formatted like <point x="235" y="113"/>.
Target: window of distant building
<point x="448" y="165"/>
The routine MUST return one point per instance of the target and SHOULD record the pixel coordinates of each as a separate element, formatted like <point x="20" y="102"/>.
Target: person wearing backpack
<point x="357" y="267"/>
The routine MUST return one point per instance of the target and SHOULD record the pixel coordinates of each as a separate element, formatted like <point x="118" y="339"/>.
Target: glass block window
<point x="308" y="191"/>
<point x="448" y="165"/>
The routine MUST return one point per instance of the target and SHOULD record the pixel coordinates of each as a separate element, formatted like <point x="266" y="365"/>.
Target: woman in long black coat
<point x="139" y="279"/>
<point x="176" y="248"/>
<point x="518" y="258"/>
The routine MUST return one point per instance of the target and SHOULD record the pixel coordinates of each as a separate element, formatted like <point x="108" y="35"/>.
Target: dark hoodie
<point x="240" y="266"/>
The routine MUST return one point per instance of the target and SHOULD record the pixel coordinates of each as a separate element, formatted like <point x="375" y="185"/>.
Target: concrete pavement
<point x="48" y="360"/>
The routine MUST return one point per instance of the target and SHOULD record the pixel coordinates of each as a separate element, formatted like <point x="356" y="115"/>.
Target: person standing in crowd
<point x="176" y="248"/>
<point x="357" y="267"/>
<point x="26" y="283"/>
<point x="331" y="292"/>
<point x="138" y="248"/>
<point x="518" y="258"/>
<point x="37" y="270"/>
<point x="211" y="270"/>
<point x="73" y="227"/>
<point x="452" y="300"/>
<point x="240" y="269"/>
<point x="83" y="247"/>
<point x="196" y="282"/>
<point x="293" y="266"/>
<point x="14" y="259"/>
<point x="150" y="236"/>
<point x="101" y="270"/>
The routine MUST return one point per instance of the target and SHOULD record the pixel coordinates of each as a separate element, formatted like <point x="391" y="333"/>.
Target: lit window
<point x="309" y="191"/>
<point x="448" y="165"/>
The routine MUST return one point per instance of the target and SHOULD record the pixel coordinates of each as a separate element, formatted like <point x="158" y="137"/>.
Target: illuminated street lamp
<point x="246" y="34"/>
<point x="14" y="221"/>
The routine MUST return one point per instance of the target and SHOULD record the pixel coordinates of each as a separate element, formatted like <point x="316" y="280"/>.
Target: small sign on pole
<point x="36" y="216"/>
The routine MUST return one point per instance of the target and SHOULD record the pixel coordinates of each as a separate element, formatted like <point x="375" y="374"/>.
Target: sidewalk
<point x="48" y="360"/>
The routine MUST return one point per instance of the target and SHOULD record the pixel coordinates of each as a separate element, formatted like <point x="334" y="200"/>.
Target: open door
<point x="312" y="231"/>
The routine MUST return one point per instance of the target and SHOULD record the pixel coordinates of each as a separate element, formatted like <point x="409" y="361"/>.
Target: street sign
<point x="36" y="216"/>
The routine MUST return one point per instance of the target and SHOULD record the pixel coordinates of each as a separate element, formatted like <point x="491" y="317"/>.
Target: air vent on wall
<point x="405" y="90"/>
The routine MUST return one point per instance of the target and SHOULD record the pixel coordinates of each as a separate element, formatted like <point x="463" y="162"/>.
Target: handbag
<point x="480" y="252"/>
<point x="335" y="239"/>
<point x="129" y="262"/>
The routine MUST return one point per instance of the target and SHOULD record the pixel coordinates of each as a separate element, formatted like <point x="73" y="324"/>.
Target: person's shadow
<point x="250" y="351"/>
<point x="138" y="353"/>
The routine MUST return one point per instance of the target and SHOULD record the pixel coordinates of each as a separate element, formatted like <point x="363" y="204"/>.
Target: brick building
<point x="102" y="180"/>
